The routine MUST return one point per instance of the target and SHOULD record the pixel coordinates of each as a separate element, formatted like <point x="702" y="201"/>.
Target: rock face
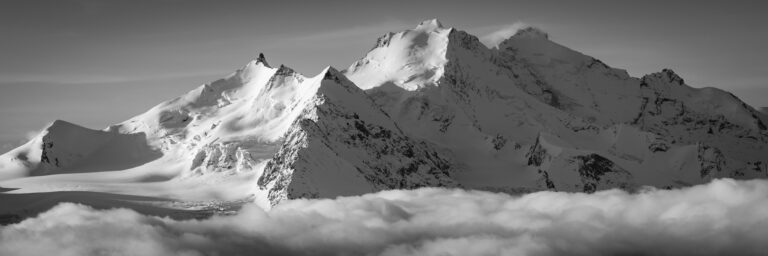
<point x="430" y="106"/>
<point x="343" y="144"/>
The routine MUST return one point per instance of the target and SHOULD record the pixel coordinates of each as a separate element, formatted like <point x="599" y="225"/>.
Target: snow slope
<point x="429" y="106"/>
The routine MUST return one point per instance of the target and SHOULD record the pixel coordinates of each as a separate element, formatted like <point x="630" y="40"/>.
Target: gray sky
<point x="98" y="62"/>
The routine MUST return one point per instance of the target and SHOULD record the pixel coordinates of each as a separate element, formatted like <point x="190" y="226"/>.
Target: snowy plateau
<point x="427" y="107"/>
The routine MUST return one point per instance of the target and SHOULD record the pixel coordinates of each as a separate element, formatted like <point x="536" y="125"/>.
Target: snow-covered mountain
<point x="430" y="106"/>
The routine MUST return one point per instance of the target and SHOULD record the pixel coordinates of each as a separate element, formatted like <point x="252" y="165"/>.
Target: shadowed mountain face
<point x="430" y="106"/>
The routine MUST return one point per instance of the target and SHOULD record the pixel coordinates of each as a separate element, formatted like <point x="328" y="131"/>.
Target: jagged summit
<point x="254" y="66"/>
<point x="261" y="59"/>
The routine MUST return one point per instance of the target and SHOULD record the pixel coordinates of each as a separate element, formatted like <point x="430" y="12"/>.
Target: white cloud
<point x="720" y="218"/>
<point x="493" y="39"/>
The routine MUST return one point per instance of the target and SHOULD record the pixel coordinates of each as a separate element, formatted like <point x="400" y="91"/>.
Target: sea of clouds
<point x="724" y="217"/>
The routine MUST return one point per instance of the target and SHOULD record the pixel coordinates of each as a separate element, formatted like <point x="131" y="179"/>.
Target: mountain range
<point x="425" y="107"/>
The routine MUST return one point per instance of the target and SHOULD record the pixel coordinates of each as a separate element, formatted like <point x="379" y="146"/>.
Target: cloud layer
<point x="719" y="218"/>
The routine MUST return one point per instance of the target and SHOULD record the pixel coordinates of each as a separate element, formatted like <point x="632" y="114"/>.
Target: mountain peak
<point x="430" y="24"/>
<point x="672" y="76"/>
<point x="284" y="71"/>
<point x="335" y="78"/>
<point x="261" y="59"/>
<point x="252" y="68"/>
<point x="668" y="75"/>
<point x="60" y="124"/>
<point x="330" y="73"/>
<point x="532" y="33"/>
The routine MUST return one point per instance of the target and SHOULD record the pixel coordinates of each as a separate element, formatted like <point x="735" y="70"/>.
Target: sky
<point x="99" y="62"/>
